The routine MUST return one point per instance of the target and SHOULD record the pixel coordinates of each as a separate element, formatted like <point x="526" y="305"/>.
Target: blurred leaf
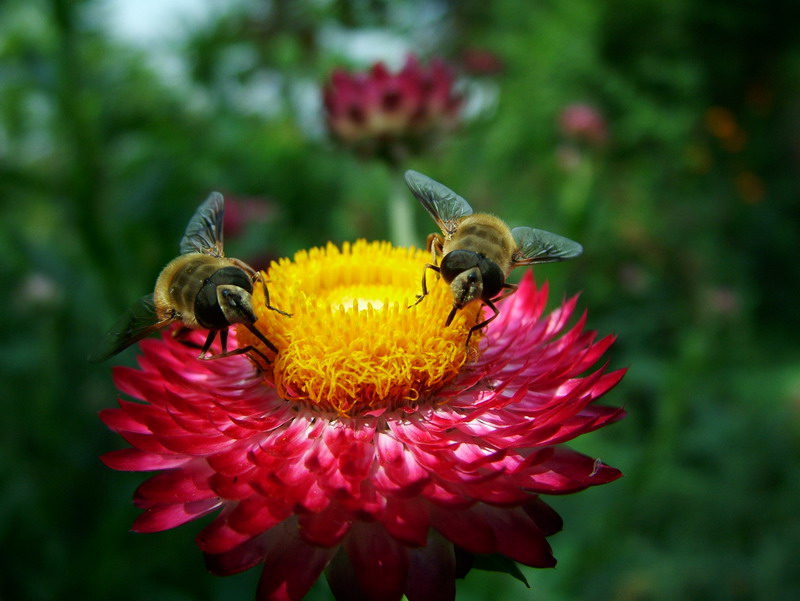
<point x="499" y="563"/>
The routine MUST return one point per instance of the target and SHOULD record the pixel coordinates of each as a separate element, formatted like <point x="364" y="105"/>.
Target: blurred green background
<point x="117" y="119"/>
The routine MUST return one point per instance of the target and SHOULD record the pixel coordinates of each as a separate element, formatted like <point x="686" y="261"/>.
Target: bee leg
<point x="424" y="283"/>
<point x="509" y="290"/>
<point x="223" y="337"/>
<point x="239" y="351"/>
<point x="261" y="337"/>
<point x="451" y="316"/>
<point x="180" y="335"/>
<point x="266" y="297"/>
<point x="485" y="322"/>
<point x="435" y="244"/>
<point x="256" y="275"/>
<point x="245" y="267"/>
<point x="223" y="340"/>
<point x="209" y="340"/>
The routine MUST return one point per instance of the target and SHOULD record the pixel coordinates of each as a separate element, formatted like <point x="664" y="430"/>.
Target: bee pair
<point x="203" y="289"/>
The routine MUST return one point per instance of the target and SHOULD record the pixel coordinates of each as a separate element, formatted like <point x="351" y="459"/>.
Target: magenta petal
<point x="518" y="536"/>
<point x="545" y="517"/>
<point x="326" y="528"/>
<point x="119" y="420"/>
<point x="370" y="566"/>
<point x="232" y="487"/>
<point x="239" y="522"/>
<point x="175" y="486"/>
<point x="164" y="517"/>
<point x="400" y="471"/>
<point x="466" y="529"/>
<point x="134" y="460"/>
<point x="131" y="382"/>
<point x="291" y="565"/>
<point x="432" y="571"/>
<point x="407" y="520"/>
<point x="242" y="557"/>
<point x="219" y="537"/>
<point x="565" y="471"/>
<point x="256" y="514"/>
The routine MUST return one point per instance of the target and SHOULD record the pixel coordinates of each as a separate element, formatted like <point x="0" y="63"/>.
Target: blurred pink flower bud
<point x="242" y="210"/>
<point x="479" y="61"/>
<point x="584" y="123"/>
<point x="392" y="115"/>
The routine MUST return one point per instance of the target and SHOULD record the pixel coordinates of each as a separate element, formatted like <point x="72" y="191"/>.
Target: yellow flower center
<point x="353" y="343"/>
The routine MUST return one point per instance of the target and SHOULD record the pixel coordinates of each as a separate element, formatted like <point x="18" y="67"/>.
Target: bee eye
<point x="493" y="278"/>
<point x="457" y="261"/>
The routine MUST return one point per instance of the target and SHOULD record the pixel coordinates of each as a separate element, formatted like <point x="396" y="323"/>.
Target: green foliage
<point x="499" y="563"/>
<point x="689" y="217"/>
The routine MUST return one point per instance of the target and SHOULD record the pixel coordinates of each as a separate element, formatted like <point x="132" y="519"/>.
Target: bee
<point x="478" y="251"/>
<point x="201" y="288"/>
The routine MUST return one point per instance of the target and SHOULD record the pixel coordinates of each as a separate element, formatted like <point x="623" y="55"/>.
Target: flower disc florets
<point x="356" y="341"/>
<point x="374" y="445"/>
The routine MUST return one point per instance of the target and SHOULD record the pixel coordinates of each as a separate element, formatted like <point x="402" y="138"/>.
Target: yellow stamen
<point x="353" y="344"/>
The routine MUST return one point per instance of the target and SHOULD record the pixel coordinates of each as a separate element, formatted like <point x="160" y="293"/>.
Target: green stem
<point x="401" y="220"/>
<point x="575" y="194"/>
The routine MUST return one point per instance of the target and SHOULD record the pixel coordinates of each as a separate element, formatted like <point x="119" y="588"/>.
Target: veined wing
<point x="539" y="246"/>
<point x="445" y="206"/>
<point x="139" y="321"/>
<point x="204" y="232"/>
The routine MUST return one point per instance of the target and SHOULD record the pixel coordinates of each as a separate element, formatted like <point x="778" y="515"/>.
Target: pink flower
<point x="241" y="211"/>
<point x="392" y="115"/>
<point x="375" y="446"/>
<point x="480" y="61"/>
<point x="584" y="123"/>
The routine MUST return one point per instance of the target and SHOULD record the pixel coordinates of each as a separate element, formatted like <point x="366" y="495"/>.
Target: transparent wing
<point x="139" y="321"/>
<point x="445" y="206"/>
<point x="539" y="246"/>
<point x="204" y="232"/>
